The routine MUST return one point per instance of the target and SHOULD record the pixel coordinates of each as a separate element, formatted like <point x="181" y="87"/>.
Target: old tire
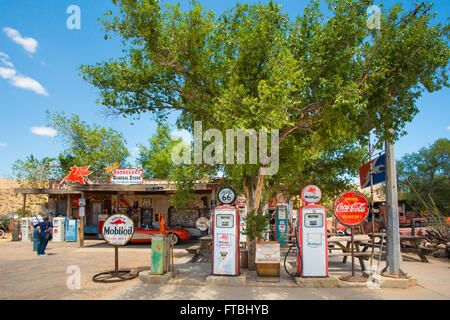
<point x="2" y="233"/>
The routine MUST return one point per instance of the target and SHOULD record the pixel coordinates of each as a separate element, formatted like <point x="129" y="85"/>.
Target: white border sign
<point x="127" y="176"/>
<point x="118" y="230"/>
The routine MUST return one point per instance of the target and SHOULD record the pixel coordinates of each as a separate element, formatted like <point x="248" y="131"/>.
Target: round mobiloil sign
<point x="351" y="208"/>
<point x="311" y="194"/>
<point x="118" y="230"/>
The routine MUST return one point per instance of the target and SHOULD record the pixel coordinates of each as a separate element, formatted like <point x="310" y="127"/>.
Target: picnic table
<point x="344" y="244"/>
<point x="414" y="241"/>
<point x="204" y="247"/>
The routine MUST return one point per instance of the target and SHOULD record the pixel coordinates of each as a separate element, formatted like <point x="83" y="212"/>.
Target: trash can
<point x="244" y="258"/>
<point x="160" y="254"/>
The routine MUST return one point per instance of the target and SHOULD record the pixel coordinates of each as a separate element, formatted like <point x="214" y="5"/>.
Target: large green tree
<point x="84" y="144"/>
<point x="156" y="157"/>
<point x="324" y="80"/>
<point x="428" y="170"/>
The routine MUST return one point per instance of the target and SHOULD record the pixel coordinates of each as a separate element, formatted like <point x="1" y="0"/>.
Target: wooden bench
<point x="193" y="249"/>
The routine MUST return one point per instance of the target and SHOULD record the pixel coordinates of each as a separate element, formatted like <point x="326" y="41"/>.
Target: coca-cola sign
<point x="351" y="208"/>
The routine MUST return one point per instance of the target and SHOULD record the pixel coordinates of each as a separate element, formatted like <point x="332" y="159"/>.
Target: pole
<point x="392" y="223"/>
<point x="371" y="201"/>
<point x="82" y="222"/>
<point x="353" y="254"/>
<point x="116" y="259"/>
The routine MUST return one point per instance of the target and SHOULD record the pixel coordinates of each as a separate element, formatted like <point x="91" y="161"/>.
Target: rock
<point x="441" y="246"/>
<point x="429" y="245"/>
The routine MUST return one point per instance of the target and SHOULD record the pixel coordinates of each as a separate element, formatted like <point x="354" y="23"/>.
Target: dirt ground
<point x="25" y="275"/>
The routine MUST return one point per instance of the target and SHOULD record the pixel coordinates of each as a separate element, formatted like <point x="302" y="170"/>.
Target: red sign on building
<point x="351" y="208"/>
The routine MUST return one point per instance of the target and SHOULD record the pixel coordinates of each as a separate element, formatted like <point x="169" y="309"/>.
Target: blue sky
<point x="39" y="61"/>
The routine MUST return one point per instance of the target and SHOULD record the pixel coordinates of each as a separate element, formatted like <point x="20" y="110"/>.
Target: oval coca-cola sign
<point x="351" y="208"/>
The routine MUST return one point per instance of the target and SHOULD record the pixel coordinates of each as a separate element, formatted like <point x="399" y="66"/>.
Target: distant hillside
<point x="11" y="202"/>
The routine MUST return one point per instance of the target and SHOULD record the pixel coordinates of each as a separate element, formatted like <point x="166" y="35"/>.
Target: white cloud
<point x="7" y="73"/>
<point x="21" y="81"/>
<point x="3" y="144"/>
<point x="29" y="44"/>
<point x="448" y="128"/>
<point x="44" y="131"/>
<point x="4" y="58"/>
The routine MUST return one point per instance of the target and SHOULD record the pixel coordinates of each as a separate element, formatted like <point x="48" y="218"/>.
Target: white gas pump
<point x="25" y="222"/>
<point x="58" y="229"/>
<point x="311" y="236"/>
<point x="225" y="238"/>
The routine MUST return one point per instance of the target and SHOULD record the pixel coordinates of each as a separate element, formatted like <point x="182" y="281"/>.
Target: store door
<point x="95" y="210"/>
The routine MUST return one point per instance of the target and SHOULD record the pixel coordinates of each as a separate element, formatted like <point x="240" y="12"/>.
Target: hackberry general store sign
<point x="127" y="176"/>
<point x="118" y="230"/>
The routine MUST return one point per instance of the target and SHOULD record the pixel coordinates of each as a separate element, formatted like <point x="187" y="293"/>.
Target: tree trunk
<point x="254" y="204"/>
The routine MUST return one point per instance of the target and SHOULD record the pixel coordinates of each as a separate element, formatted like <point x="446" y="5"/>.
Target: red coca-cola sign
<point x="351" y="208"/>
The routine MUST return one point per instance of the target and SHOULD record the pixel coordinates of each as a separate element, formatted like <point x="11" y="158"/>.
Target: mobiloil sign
<point x="118" y="230"/>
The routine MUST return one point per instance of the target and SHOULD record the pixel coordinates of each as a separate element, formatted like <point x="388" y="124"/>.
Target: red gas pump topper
<point x="312" y="250"/>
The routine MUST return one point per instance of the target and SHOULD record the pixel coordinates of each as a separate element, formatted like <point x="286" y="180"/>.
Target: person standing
<point x="45" y="228"/>
<point x="35" y="220"/>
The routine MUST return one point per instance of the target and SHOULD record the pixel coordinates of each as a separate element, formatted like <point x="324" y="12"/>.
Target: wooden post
<point x="69" y="206"/>
<point x="82" y="223"/>
<point x="392" y="223"/>
<point x="116" y="259"/>
<point x="353" y="253"/>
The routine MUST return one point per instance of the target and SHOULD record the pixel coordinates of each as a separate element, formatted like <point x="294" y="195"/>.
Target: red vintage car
<point x="142" y="235"/>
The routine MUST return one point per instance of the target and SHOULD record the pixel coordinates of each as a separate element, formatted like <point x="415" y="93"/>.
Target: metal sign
<point x="81" y="212"/>
<point x="202" y="224"/>
<point x="378" y="172"/>
<point x="311" y="194"/>
<point x="82" y="202"/>
<point x="78" y="174"/>
<point x="127" y="176"/>
<point x="112" y="167"/>
<point x="351" y="208"/>
<point x="118" y="230"/>
<point x="226" y="195"/>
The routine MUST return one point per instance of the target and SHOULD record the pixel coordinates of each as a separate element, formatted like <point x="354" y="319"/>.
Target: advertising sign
<point x="112" y="167"/>
<point x="311" y="194"/>
<point x="78" y="174"/>
<point x="378" y="172"/>
<point x="118" y="230"/>
<point x="202" y="224"/>
<point x="127" y="176"/>
<point x="351" y="208"/>
<point x="267" y="252"/>
<point x="226" y="195"/>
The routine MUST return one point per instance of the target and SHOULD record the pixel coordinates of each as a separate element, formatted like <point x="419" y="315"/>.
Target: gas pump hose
<point x="293" y="275"/>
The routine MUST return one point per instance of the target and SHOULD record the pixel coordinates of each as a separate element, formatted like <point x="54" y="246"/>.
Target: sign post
<point x="351" y="209"/>
<point x="117" y="231"/>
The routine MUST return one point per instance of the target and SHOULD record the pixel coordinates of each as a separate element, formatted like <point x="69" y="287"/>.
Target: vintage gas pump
<point x="242" y="208"/>
<point x="281" y="222"/>
<point x="226" y="236"/>
<point x="311" y="236"/>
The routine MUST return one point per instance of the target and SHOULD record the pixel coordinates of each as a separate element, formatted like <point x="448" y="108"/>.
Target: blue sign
<point x="378" y="172"/>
